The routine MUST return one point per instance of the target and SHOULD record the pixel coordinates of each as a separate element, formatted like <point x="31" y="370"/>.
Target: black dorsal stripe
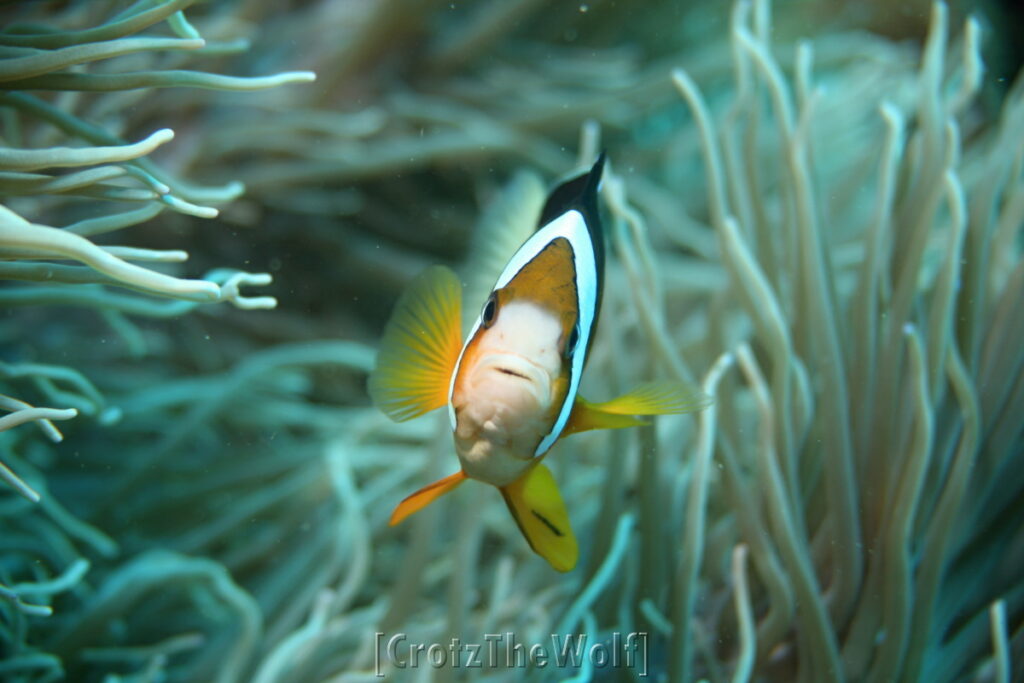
<point x="580" y="194"/>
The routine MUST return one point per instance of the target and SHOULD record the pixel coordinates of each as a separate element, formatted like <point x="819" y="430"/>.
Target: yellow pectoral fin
<point x="537" y="507"/>
<point x="657" y="398"/>
<point x="651" y="398"/>
<point x="425" y="496"/>
<point x="586" y="416"/>
<point x="421" y="345"/>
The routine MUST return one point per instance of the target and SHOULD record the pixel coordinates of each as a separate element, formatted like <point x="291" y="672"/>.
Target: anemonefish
<point x="512" y="388"/>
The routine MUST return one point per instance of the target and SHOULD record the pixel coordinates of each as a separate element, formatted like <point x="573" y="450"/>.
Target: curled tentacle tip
<point x="110" y="416"/>
<point x="890" y="111"/>
<point x="186" y="207"/>
<point x="162" y="135"/>
<point x="260" y="279"/>
<point x="299" y="76"/>
<point x="255" y="302"/>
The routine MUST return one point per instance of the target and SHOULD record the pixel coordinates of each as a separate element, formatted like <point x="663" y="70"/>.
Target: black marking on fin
<point x="519" y="522"/>
<point x="555" y="530"/>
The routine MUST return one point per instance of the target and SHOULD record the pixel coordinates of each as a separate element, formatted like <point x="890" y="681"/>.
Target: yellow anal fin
<point x="425" y="496"/>
<point x="537" y="507"/>
<point x="420" y="347"/>
<point x="651" y="398"/>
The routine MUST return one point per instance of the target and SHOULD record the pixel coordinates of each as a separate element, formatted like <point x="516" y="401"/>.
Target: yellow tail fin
<point x="425" y="496"/>
<point x="651" y="398"/>
<point x="421" y="345"/>
<point x="537" y="507"/>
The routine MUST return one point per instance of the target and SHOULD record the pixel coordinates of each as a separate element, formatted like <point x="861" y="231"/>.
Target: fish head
<point x="512" y="378"/>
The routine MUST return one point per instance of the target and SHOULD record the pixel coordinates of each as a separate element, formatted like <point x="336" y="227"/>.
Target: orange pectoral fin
<point x="651" y="398"/>
<point x="420" y="347"/>
<point x="537" y="507"/>
<point x="425" y="496"/>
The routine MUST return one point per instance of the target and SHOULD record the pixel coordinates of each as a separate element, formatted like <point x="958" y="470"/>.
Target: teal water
<point x="812" y="210"/>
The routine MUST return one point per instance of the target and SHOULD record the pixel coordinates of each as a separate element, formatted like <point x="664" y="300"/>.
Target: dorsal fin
<point x="507" y="222"/>
<point x="576" y="193"/>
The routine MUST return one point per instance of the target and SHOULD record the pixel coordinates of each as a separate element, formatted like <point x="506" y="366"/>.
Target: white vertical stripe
<point x="572" y="226"/>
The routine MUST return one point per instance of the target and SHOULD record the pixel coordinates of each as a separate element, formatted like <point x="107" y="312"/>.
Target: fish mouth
<point x="515" y="366"/>
<point x="502" y="404"/>
<point x="510" y="376"/>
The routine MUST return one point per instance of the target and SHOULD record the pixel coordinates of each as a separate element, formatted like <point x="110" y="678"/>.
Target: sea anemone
<point x="824" y="233"/>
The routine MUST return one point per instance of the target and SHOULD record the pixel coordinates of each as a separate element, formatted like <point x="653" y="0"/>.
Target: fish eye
<point x="490" y="311"/>
<point x="574" y="339"/>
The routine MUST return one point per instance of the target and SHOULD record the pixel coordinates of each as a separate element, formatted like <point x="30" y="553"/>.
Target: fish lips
<point x="514" y="374"/>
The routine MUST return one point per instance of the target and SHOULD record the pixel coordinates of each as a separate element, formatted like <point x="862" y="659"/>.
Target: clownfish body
<point x="512" y="388"/>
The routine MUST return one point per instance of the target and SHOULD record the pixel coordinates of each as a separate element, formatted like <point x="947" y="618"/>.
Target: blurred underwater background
<point x="814" y="210"/>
